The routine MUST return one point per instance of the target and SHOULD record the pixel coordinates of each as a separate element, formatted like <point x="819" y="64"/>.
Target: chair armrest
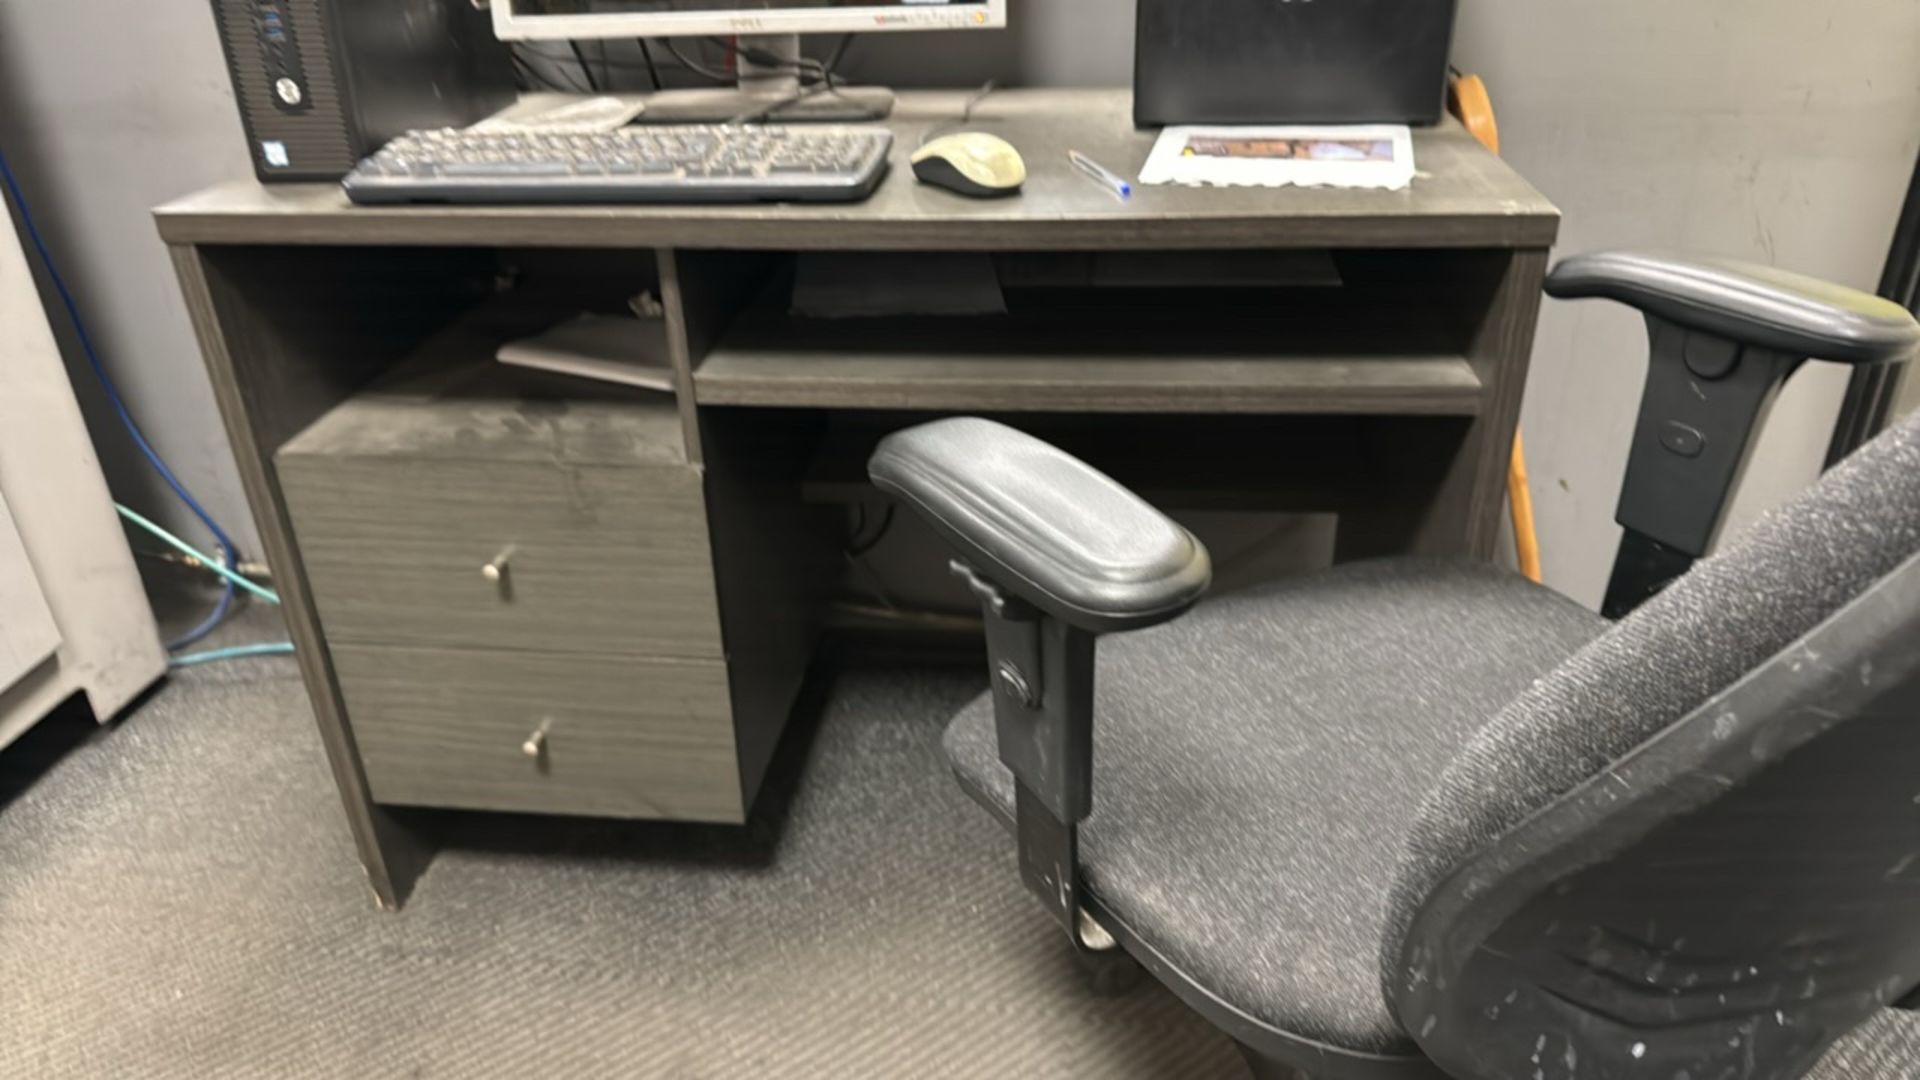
<point x="1725" y="337"/>
<point x="1745" y="304"/>
<point x="1044" y="525"/>
<point x="1056" y="552"/>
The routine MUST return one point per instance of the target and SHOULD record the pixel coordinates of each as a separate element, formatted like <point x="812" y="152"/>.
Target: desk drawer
<point x="597" y="559"/>
<point x="622" y="737"/>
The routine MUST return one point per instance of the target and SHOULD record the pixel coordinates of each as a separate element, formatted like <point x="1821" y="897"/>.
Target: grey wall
<point x="1770" y="129"/>
<point x="108" y="107"/>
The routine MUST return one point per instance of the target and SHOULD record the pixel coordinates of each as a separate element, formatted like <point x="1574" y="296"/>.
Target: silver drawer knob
<point x="536" y="745"/>
<point x="496" y="570"/>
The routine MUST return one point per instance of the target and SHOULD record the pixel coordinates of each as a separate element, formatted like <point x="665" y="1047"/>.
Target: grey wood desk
<point x="1358" y="352"/>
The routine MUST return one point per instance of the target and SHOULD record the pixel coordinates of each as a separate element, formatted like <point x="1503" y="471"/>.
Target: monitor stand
<point x="762" y="87"/>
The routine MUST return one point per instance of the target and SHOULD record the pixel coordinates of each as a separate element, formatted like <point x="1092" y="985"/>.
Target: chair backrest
<point x="1693" y="849"/>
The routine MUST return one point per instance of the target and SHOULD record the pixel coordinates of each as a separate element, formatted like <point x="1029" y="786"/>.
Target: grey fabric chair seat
<point x="1256" y="777"/>
<point x="1406" y="821"/>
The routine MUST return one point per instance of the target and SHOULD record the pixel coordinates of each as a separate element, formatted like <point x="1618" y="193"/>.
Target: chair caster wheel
<point x="1110" y="974"/>
<point x="1265" y="1068"/>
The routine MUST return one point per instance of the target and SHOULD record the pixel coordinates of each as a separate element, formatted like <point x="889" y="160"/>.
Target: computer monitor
<point x="767" y="57"/>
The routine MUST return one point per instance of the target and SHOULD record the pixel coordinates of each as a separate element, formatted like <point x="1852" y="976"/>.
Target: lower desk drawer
<point x="619" y="737"/>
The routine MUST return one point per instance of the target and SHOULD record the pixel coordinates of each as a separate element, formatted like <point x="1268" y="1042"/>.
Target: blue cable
<point x="237" y="652"/>
<point x="223" y="542"/>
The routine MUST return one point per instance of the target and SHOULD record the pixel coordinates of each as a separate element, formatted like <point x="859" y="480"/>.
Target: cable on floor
<point x="228" y="550"/>
<point x="237" y="652"/>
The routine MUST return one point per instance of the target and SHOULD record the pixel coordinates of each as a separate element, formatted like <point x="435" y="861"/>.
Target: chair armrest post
<point x="1705" y="399"/>
<point x="1042" y="674"/>
<point x="1056" y="553"/>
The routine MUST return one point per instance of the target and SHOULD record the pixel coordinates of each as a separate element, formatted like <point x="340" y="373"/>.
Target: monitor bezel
<point x="822" y="20"/>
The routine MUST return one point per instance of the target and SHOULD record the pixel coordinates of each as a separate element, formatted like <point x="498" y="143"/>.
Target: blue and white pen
<point x="1108" y="179"/>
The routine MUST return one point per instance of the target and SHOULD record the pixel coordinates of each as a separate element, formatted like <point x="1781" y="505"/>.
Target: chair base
<point x="1266" y="1068"/>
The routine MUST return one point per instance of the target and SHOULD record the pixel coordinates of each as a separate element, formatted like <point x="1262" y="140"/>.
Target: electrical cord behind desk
<point x="543" y="70"/>
<point x="653" y="70"/>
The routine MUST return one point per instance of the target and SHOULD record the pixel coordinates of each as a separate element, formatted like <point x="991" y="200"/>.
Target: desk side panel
<point x="287" y="336"/>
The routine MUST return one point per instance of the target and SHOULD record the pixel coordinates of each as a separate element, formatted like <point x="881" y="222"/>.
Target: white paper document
<point x="556" y="115"/>
<point x="605" y="347"/>
<point x="1372" y="156"/>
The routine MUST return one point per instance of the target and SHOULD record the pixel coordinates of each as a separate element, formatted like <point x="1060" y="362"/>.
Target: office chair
<point x="1422" y="818"/>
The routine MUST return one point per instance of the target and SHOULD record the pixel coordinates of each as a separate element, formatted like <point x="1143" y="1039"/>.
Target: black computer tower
<point x="323" y="83"/>
<point x="1291" y="61"/>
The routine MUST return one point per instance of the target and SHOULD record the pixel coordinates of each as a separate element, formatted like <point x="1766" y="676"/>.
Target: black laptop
<point x="1291" y="61"/>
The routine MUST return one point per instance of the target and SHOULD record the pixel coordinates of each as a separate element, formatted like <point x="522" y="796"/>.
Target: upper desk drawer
<point x="510" y="556"/>
<point x="464" y="508"/>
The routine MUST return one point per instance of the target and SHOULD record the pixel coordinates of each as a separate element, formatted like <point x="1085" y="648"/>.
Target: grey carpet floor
<point x="179" y="898"/>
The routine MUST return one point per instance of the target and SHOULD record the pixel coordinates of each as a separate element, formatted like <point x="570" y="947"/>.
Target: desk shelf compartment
<point x="1367" y="343"/>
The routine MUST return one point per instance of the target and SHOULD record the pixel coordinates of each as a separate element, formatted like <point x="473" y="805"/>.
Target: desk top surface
<point x="1464" y="196"/>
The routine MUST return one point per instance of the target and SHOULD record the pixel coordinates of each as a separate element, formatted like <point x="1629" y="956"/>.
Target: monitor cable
<point x="653" y="71"/>
<point x="586" y="69"/>
<point x="546" y="78"/>
<point x="824" y="72"/>
<point x="696" y="66"/>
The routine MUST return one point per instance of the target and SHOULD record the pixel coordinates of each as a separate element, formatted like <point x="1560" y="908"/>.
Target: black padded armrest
<point x="1745" y="304"/>
<point x="1044" y="525"/>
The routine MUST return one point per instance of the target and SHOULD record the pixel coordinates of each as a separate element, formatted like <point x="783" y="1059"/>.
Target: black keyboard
<point x="666" y="164"/>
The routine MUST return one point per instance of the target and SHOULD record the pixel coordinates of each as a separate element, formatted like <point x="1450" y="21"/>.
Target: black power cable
<point x="546" y="79"/>
<point x="613" y="65"/>
<point x="839" y="52"/>
<point x="803" y="67"/>
<point x="856" y="547"/>
<point x="581" y="55"/>
<point x="817" y="76"/>
<point x="696" y="66"/>
<point x="799" y="65"/>
<point x="653" y="73"/>
<point x="525" y="78"/>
